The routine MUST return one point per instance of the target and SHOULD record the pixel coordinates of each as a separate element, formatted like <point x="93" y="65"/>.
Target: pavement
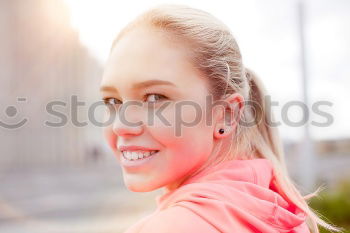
<point x="70" y="200"/>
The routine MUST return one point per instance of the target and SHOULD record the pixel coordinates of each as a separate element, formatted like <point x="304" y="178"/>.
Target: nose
<point x="128" y="123"/>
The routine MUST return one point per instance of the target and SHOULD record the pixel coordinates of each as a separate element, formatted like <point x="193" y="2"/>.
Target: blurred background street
<point x="69" y="200"/>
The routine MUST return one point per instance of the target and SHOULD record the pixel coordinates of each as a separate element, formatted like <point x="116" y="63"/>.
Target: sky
<point x="267" y="34"/>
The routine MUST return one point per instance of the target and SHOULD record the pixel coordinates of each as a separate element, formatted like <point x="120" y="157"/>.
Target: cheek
<point x="110" y="137"/>
<point x="174" y="120"/>
<point x="187" y="138"/>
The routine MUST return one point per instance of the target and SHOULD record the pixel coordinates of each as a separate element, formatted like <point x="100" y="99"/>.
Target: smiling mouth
<point x="138" y="155"/>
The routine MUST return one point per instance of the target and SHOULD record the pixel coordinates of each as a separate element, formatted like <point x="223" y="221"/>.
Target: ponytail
<point x="267" y="144"/>
<point x="263" y="116"/>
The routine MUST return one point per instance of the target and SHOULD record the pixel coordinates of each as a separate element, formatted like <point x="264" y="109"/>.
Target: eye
<point x="155" y="94"/>
<point x="111" y="101"/>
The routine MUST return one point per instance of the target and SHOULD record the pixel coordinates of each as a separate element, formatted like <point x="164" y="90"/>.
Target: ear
<point x="228" y="112"/>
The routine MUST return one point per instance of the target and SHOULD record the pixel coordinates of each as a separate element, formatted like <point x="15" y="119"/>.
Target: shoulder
<point x="177" y="219"/>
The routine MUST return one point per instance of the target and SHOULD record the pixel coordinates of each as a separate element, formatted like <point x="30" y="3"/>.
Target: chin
<point x="138" y="188"/>
<point x="137" y="184"/>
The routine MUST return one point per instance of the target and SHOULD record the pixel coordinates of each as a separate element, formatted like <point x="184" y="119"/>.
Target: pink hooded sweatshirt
<point x="234" y="196"/>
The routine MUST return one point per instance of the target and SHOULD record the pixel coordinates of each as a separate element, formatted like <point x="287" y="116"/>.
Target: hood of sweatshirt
<point x="237" y="196"/>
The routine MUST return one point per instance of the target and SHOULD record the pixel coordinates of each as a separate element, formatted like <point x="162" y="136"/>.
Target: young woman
<point x="190" y="118"/>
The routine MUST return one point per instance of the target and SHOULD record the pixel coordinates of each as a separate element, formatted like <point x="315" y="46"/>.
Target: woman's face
<point x="138" y="57"/>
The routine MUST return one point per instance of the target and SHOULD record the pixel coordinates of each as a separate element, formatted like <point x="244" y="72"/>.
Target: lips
<point x="137" y="155"/>
<point x="140" y="164"/>
<point x="136" y="148"/>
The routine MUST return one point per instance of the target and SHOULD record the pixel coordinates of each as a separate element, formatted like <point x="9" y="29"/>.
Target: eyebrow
<point x="140" y="85"/>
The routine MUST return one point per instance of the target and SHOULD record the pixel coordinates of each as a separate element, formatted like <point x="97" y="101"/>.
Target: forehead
<point x="143" y="54"/>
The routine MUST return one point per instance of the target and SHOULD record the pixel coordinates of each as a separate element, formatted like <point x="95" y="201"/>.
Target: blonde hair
<point x="217" y="56"/>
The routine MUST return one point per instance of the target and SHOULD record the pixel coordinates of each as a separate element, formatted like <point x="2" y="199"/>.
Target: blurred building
<point x="332" y="158"/>
<point x="42" y="60"/>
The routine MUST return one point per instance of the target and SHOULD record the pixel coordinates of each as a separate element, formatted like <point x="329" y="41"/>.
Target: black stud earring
<point x="221" y="131"/>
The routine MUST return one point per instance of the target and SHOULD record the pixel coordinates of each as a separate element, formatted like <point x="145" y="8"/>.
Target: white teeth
<point x="134" y="155"/>
<point x="140" y="155"/>
<point x="128" y="155"/>
<point x="146" y="154"/>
